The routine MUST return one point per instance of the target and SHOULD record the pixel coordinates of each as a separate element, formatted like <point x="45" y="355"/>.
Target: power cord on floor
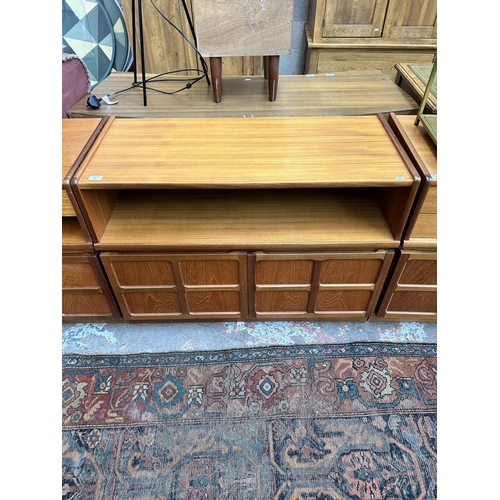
<point x="94" y="102"/>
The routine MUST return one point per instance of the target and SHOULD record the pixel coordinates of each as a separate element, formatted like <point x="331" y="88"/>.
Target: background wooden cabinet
<point x="386" y="19"/>
<point x="411" y="19"/>
<point x="350" y="18"/>
<point x="358" y="34"/>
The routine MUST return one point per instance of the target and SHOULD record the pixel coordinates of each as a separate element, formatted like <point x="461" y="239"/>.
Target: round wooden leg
<point x="273" y="72"/>
<point x="216" y="74"/>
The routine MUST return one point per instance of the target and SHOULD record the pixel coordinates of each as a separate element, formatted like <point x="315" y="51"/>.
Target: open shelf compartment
<point x="260" y="183"/>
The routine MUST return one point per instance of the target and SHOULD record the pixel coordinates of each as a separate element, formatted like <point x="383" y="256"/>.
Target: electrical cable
<point x="203" y="62"/>
<point x="95" y="102"/>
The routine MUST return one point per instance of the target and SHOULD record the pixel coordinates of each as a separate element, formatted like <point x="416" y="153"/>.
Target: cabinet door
<point x="354" y="18"/>
<point x="412" y="288"/>
<point x="407" y="19"/>
<point x="318" y="285"/>
<point x="172" y="286"/>
<point x="85" y="293"/>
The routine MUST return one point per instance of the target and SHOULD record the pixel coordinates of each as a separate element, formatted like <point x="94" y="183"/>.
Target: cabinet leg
<point x="273" y="72"/>
<point x="216" y="74"/>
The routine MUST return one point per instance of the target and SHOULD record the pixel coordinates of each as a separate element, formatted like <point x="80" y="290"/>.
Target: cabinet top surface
<point x="75" y="134"/>
<point x="244" y="152"/>
<point x="422" y="142"/>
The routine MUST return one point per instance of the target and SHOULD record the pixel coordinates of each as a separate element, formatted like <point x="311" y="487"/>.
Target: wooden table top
<point x="422" y="142"/>
<point x="75" y="135"/>
<point x="417" y="77"/>
<point x="356" y="92"/>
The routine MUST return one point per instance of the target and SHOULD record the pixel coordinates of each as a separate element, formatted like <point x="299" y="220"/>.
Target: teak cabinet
<point x="86" y="295"/>
<point x="355" y="34"/>
<point x="411" y="290"/>
<point x="267" y="218"/>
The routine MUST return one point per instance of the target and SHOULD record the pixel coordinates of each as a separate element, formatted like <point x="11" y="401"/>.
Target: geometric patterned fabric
<point x="95" y="31"/>
<point x="123" y="51"/>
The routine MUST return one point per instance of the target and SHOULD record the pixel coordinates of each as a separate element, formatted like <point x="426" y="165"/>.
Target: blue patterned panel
<point x="123" y="53"/>
<point x="88" y="33"/>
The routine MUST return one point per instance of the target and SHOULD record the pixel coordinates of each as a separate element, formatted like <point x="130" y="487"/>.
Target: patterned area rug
<point x="331" y="422"/>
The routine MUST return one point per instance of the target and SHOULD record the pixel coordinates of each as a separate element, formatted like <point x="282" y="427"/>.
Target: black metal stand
<point x="141" y="42"/>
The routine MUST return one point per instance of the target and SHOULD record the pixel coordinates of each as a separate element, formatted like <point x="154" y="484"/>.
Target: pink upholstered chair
<point x="75" y="81"/>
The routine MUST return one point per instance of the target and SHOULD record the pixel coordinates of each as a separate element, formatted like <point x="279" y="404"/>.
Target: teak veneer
<point x="86" y="295"/>
<point x="411" y="290"/>
<point x="78" y="135"/>
<point x="342" y="94"/>
<point x="254" y="183"/>
<point x="269" y="218"/>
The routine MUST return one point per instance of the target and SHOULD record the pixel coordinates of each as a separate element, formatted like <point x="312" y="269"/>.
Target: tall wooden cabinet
<point x="258" y="218"/>
<point x="356" y="34"/>
<point x="86" y="295"/>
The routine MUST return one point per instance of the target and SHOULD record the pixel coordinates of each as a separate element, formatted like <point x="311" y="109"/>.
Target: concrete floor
<point x="123" y="338"/>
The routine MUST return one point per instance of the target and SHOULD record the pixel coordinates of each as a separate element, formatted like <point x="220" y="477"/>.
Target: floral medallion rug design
<point x="331" y="422"/>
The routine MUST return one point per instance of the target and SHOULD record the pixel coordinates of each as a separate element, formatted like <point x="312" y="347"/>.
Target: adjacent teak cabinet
<point x="356" y="34"/>
<point x="411" y="290"/>
<point x="86" y="295"/>
<point x="267" y="218"/>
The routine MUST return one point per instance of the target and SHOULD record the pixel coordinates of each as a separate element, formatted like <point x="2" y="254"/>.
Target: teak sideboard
<point x="246" y="218"/>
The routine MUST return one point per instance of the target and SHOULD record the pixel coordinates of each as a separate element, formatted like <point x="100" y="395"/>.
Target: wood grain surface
<point x="356" y="92"/>
<point x="246" y="153"/>
<point x="243" y="27"/>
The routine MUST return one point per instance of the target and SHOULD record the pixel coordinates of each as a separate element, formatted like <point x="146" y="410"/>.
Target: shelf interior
<point x="73" y="237"/>
<point x="246" y="219"/>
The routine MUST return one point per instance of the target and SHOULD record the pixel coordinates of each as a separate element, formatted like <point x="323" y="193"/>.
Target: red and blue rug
<point x="331" y="422"/>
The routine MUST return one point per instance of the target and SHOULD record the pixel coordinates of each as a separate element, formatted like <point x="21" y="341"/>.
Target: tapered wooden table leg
<point x="273" y="74"/>
<point x="265" y="61"/>
<point x="216" y="74"/>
